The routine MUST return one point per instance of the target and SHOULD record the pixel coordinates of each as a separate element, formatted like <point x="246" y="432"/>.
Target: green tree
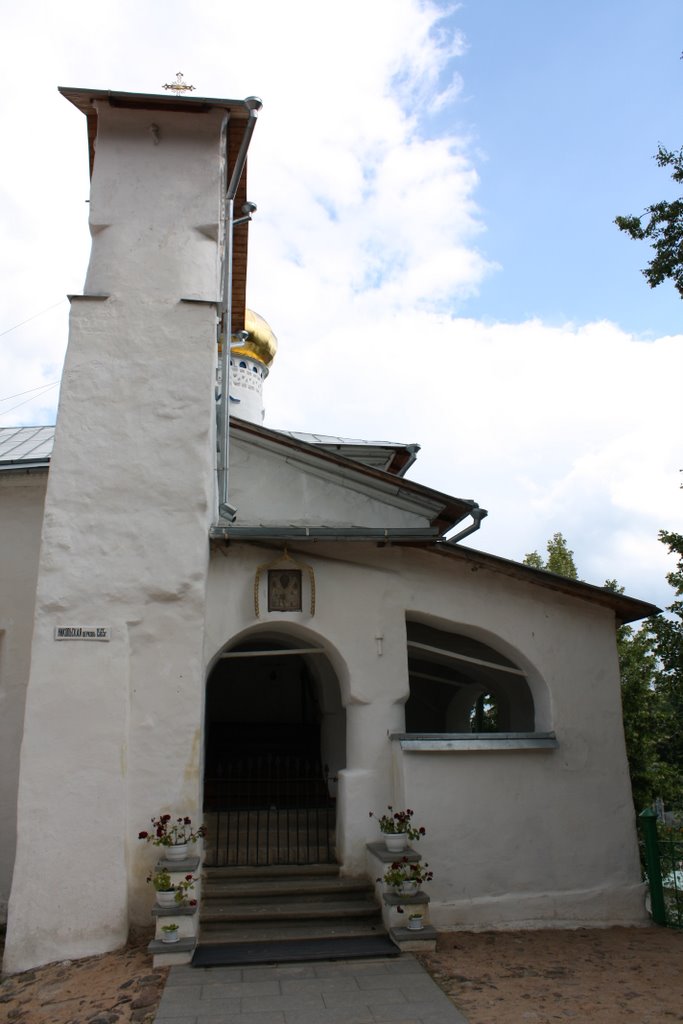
<point x="560" y="559"/>
<point x="637" y="669"/>
<point x="662" y="225"/>
<point x="666" y="633"/>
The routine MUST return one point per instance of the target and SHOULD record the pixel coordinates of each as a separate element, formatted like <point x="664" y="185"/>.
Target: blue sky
<point x="566" y="104"/>
<point x="434" y="244"/>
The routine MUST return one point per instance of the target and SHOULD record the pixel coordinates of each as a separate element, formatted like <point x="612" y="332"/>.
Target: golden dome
<point x="261" y="343"/>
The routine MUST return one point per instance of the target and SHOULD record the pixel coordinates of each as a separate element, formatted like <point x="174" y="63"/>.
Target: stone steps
<point x="293" y="902"/>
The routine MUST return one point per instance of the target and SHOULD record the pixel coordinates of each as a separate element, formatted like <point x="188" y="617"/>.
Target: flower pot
<point x="177" y="852"/>
<point x="395" y="842"/>
<point x="415" y="924"/>
<point x="166" y="898"/>
<point x="407" y="888"/>
<point x="170" y="936"/>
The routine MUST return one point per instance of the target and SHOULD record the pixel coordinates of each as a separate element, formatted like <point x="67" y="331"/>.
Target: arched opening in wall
<point x="462" y="685"/>
<point x="275" y="739"/>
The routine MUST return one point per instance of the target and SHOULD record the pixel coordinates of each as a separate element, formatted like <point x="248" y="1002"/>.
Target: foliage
<point x="484" y="716"/>
<point x="399" y="821"/>
<point x="664" y="228"/>
<point x="401" y="871"/>
<point x="637" y="667"/>
<point x="170" y="928"/>
<point x="166" y="834"/>
<point x="560" y="559"/>
<point x="161" y="880"/>
<point x="666" y="633"/>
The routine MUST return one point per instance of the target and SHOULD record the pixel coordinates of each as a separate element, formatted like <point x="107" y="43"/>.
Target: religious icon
<point x="284" y="590"/>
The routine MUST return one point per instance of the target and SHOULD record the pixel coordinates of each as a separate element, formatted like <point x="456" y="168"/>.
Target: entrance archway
<point x="275" y="740"/>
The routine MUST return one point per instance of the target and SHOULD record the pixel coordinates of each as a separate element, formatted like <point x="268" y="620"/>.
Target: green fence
<point x="663" y="854"/>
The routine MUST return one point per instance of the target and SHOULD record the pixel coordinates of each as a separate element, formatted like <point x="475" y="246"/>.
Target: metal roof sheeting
<point x="25" y="446"/>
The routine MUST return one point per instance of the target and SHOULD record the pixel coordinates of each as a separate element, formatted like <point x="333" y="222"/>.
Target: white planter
<point x="395" y="842"/>
<point x="415" y="924"/>
<point x="169" y="936"/>
<point x="167" y="899"/>
<point x="407" y="888"/>
<point x="178" y="852"/>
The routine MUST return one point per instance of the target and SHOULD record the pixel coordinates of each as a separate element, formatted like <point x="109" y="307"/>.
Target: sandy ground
<point x="116" y="988"/>
<point x="539" y="977"/>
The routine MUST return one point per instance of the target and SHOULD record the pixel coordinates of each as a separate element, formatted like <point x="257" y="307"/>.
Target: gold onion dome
<point x="260" y="344"/>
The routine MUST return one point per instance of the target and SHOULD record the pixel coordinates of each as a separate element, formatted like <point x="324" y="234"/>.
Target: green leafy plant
<point x="399" y="821"/>
<point x="167" y="833"/>
<point x="169" y="928"/>
<point x="401" y="871"/>
<point x="161" y="880"/>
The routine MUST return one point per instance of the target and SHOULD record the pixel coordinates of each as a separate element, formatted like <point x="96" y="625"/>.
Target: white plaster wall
<point x="268" y="489"/>
<point x="521" y="838"/>
<point x="155" y="203"/>
<point x="112" y="730"/>
<point x="22" y="495"/>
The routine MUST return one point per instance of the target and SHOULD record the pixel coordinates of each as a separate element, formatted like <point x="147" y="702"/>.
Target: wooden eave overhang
<point x="626" y="609"/>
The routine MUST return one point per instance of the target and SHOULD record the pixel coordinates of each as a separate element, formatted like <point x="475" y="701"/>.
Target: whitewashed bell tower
<point x="114" y="701"/>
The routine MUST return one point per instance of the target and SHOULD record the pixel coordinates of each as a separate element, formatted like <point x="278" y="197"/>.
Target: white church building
<point x="202" y="615"/>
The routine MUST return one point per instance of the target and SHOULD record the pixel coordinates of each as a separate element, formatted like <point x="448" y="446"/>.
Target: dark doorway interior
<point x="267" y="786"/>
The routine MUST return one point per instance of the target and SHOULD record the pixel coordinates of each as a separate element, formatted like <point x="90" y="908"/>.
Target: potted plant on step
<point x="174" y="836"/>
<point x="397" y="828"/>
<point x="169" y="933"/>
<point x="172" y="894"/>
<point x="406" y="878"/>
<point x="415" y="922"/>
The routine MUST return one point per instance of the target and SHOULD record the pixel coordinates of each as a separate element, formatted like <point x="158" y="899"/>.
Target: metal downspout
<point x="225" y="510"/>
<point x="477" y="515"/>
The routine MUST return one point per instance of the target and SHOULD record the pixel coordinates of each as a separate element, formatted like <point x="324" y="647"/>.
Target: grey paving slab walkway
<point x="396" y="990"/>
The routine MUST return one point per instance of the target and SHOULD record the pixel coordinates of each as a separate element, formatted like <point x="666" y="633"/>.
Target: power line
<point x="26" y="400"/>
<point x="19" y="394"/>
<point x="28" y="320"/>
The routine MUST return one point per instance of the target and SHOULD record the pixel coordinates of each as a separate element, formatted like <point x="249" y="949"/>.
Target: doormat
<point x="231" y="953"/>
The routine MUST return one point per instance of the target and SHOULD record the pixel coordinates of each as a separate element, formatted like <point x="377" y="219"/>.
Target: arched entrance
<point x="275" y="740"/>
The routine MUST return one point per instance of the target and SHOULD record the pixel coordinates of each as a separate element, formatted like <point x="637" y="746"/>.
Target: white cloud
<point x="364" y="244"/>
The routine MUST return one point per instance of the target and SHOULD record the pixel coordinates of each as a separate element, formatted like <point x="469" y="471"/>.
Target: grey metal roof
<point x="29" y="445"/>
<point x="332" y="439"/>
<point x="25" y="446"/>
<point x="391" y="456"/>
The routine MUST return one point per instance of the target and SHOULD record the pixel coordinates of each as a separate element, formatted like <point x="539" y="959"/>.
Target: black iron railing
<point x="269" y="809"/>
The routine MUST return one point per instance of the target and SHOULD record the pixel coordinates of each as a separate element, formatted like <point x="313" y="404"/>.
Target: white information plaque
<point x="83" y="633"/>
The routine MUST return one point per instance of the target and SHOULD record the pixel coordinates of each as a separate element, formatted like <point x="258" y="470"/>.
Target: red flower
<point x="143" y="835"/>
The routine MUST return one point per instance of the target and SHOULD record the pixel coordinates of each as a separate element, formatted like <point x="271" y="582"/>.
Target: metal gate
<point x="269" y="808"/>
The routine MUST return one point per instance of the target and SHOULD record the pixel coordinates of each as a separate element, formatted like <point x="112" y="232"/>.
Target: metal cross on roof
<point x="179" y="85"/>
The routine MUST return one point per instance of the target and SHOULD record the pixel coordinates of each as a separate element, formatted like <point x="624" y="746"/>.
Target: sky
<point x="434" y="244"/>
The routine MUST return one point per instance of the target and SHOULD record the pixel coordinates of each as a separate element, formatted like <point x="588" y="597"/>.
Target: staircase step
<point x="238" y="872"/>
<point x="268" y="931"/>
<point x="287" y="888"/>
<point x="272" y="910"/>
<point x="299" y="904"/>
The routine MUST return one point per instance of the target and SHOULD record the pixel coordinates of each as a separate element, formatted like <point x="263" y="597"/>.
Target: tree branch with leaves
<point x="662" y="225"/>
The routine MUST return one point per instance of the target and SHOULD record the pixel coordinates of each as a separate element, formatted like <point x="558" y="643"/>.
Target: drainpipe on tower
<point x="225" y="509"/>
